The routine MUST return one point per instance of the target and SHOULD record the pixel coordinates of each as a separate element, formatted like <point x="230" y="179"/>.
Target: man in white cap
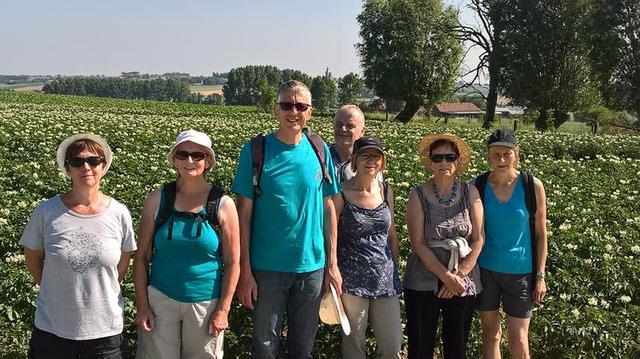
<point x="287" y="228"/>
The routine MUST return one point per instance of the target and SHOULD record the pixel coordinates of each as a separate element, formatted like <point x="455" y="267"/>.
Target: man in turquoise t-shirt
<point x="287" y="233"/>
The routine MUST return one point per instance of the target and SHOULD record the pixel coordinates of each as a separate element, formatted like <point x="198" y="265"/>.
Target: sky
<point x="89" y="37"/>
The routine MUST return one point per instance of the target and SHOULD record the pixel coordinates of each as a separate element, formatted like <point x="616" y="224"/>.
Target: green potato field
<point x="592" y="183"/>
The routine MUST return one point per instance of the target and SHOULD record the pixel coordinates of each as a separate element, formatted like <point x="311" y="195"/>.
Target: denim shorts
<point x="513" y="290"/>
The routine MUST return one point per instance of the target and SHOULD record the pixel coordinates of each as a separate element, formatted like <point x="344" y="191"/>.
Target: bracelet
<point x="540" y="275"/>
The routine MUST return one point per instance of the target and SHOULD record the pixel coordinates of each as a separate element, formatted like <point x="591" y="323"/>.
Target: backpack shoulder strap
<point x="385" y="192"/>
<point x="166" y="208"/>
<point x="212" y="208"/>
<point x="481" y="184"/>
<point x="257" y="161"/>
<point x="318" y="147"/>
<point x="530" y="201"/>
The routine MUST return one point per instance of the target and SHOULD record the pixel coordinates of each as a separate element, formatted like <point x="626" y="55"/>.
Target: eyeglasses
<point x="196" y="156"/>
<point x="448" y="157"/>
<point x="93" y="161"/>
<point x="500" y="156"/>
<point x="288" y="106"/>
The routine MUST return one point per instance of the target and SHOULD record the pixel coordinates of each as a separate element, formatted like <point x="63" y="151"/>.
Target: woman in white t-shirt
<point x="77" y="247"/>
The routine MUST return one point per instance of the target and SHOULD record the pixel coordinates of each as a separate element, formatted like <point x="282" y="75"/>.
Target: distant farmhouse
<point x="509" y="111"/>
<point x="456" y="109"/>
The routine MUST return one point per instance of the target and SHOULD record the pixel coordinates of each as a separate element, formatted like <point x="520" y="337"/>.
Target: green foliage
<point x="614" y="38"/>
<point x="268" y="96"/>
<point x="547" y="65"/>
<point x="349" y="88"/>
<point x="408" y="51"/>
<point x="244" y="84"/>
<point x="592" y="185"/>
<point x="156" y="89"/>
<point x="323" y="92"/>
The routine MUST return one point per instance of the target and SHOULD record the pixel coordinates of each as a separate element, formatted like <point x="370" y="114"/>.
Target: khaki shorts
<point x="513" y="290"/>
<point x="181" y="330"/>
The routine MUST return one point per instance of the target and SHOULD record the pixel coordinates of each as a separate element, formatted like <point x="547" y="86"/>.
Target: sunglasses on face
<point x="93" y="161"/>
<point x="448" y="157"/>
<point x="196" y="155"/>
<point x="288" y="106"/>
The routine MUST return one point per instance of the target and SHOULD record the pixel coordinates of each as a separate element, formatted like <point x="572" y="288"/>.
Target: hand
<point x="444" y="293"/>
<point x="453" y="283"/>
<point x="540" y="291"/>
<point x="144" y="318"/>
<point x="218" y="322"/>
<point x="332" y="275"/>
<point x="247" y="292"/>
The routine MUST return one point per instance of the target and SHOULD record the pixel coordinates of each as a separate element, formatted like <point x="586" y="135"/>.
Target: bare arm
<point x="247" y="286"/>
<point x="142" y="257"/>
<point x="393" y="234"/>
<point x="541" y="240"/>
<point x="330" y="232"/>
<point x="34" y="259"/>
<point x="230" y="242"/>
<point x="415" y="224"/>
<point x="123" y="264"/>
<point x="476" y="213"/>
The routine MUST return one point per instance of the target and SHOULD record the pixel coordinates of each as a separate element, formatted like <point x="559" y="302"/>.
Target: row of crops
<point x="592" y="184"/>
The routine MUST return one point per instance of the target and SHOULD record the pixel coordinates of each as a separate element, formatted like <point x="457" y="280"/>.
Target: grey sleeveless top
<point x="441" y="223"/>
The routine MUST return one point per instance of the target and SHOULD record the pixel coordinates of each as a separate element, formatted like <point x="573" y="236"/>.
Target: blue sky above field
<point x="86" y="37"/>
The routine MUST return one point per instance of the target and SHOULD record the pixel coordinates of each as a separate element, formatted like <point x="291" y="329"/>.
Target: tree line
<point x="153" y="89"/>
<point x="554" y="57"/>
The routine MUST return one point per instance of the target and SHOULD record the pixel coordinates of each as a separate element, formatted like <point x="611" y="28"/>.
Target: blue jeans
<point x="297" y="293"/>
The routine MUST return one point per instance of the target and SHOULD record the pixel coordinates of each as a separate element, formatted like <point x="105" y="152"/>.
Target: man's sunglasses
<point x="196" y="156"/>
<point x="449" y="157"/>
<point x="288" y="106"/>
<point x="79" y="161"/>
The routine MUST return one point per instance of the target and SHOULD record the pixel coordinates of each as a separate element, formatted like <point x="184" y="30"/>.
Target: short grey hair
<point x="345" y="109"/>
<point x="293" y="86"/>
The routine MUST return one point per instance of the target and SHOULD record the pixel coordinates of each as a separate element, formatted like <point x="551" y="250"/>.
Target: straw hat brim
<point x="463" y="148"/>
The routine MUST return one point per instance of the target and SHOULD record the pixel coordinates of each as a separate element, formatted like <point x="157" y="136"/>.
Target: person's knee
<point x="518" y="344"/>
<point x="491" y="331"/>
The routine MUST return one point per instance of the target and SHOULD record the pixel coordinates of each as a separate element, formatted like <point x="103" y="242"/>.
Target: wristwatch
<point x="540" y="275"/>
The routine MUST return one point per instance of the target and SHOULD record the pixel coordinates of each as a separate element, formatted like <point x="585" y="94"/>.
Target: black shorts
<point x="45" y="345"/>
<point x="513" y="290"/>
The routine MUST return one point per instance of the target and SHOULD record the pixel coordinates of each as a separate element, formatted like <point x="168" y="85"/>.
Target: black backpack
<point x="167" y="212"/>
<point x="257" y="157"/>
<point x="530" y="201"/>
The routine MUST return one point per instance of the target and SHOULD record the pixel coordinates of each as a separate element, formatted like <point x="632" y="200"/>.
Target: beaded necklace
<point x="441" y="199"/>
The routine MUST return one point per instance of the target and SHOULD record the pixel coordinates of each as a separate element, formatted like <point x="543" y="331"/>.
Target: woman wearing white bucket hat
<point x="77" y="247"/>
<point x="189" y="232"/>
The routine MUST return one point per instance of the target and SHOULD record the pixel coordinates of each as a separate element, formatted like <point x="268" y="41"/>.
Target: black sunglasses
<point x="93" y="161"/>
<point x="196" y="156"/>
<point x="288" y="106"/>
<point x="448" y="157"/>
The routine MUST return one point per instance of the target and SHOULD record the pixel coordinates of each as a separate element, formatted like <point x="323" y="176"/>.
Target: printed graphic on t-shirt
<point x="83" y="251"/>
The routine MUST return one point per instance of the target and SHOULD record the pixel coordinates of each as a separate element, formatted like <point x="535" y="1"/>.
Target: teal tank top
<point x="507" y="242"/>
<point x="187" y="268"/>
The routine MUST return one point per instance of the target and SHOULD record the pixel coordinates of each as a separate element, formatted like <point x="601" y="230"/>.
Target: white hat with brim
<point x="197" y="137"/>
<point x="332" y="310"/>
<point x="62" y="150"/>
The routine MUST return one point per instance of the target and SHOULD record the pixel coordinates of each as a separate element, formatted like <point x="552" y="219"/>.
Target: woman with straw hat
<point x="189" y="233"/>
<point x="444" y="219"/>
<point x="368" y="255"/>
<point x="77" y="247"/>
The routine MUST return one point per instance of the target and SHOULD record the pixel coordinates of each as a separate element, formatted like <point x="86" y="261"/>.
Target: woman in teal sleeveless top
<point x="512" y="261"/>
<point x="183" y="299"/>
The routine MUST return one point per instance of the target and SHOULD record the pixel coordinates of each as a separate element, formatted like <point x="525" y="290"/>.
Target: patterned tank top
<point x="364" y="253"/>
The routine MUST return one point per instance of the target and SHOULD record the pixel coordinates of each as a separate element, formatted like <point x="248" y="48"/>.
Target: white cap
<point x="332" y="310"/>
<point x="62" y="150"/>
<point x="197" y="137"/>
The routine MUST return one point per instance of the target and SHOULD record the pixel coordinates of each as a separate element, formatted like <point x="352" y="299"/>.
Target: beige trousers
<point x="384" y="315"/>
<point x="181" y="330"/>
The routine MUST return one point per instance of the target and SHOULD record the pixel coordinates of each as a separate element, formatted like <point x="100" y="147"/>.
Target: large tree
<point x="323" y="92"/>
<point x="615" y="51"/>
<point x="245" y="84"/>
<point x="548" y="67"/>
<point x="486" y="35"/>
<point x="409" y="52"/>
<point x="349" y="88"/>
